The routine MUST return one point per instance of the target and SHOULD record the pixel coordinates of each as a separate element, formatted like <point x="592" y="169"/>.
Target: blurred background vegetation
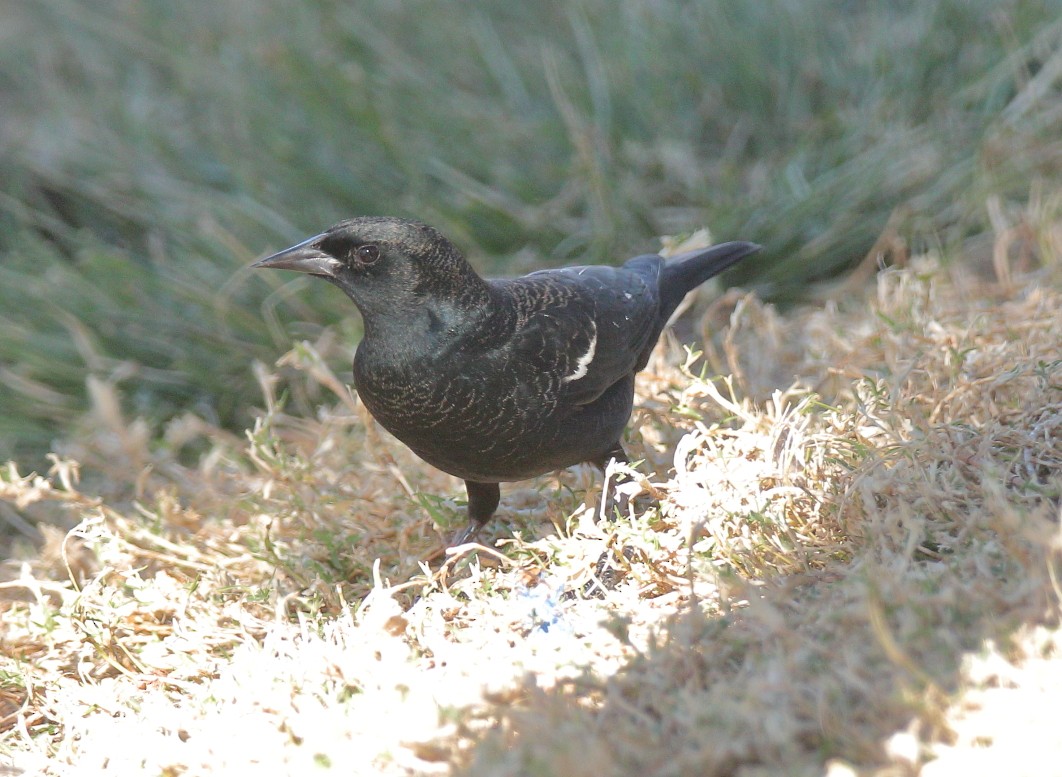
<point x="150" y="150"/>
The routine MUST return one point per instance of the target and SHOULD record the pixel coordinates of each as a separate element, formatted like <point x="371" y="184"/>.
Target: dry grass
<point x="844" y="560"/>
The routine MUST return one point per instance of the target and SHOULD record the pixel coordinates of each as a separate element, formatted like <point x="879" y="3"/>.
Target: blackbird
<point x="498" y="380"/>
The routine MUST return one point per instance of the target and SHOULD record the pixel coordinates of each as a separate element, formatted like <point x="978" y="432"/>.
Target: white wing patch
<point x="584" y="361"/>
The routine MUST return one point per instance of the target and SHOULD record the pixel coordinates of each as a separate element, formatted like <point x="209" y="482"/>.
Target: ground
<point x="842" y="557"/>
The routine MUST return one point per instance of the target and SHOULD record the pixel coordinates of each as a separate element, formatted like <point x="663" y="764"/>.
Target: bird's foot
<point x="608" y="572"/>
<point x="467" y="534"/>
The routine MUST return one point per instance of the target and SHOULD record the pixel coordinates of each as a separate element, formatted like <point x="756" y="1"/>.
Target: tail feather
<point x="681" y="274"/>
<point x="685" y="272"/>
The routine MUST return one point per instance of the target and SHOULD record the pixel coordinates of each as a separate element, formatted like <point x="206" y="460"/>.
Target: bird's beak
<point x="305" y="257"/>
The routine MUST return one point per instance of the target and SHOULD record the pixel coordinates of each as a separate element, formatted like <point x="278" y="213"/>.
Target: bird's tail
<point x="685" y="272"/>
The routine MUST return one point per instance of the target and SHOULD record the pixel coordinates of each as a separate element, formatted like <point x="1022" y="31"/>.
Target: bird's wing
<point x="586" y="327"/>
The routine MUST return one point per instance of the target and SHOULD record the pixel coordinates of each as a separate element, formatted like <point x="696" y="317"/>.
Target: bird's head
<point x="386" y="265"/>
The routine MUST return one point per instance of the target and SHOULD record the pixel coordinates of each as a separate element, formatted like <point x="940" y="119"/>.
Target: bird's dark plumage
<point x="498" y="380"/>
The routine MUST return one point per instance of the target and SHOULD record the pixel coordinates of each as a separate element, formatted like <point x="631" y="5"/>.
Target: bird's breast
<point x="474" y="418"/>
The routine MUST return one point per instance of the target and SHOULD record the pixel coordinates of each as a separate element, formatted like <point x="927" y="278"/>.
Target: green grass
<point x="149" y="151"/>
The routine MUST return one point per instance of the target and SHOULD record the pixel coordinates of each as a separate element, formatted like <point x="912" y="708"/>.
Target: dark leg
<point x="606" y="575"/>
<point x="483" y="500"/>
<point x="617" y="453"/>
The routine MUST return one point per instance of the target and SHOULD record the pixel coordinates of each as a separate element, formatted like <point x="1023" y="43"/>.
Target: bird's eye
<point x="368" y="253"/>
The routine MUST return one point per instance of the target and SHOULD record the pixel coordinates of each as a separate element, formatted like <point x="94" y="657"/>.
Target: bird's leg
<point x="606" y="575"/>
<point x="483" y="500"/>
<point x="615" y="453"/>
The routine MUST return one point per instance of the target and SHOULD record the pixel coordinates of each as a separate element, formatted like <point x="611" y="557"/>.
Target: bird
<point x="498" y="380"/>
